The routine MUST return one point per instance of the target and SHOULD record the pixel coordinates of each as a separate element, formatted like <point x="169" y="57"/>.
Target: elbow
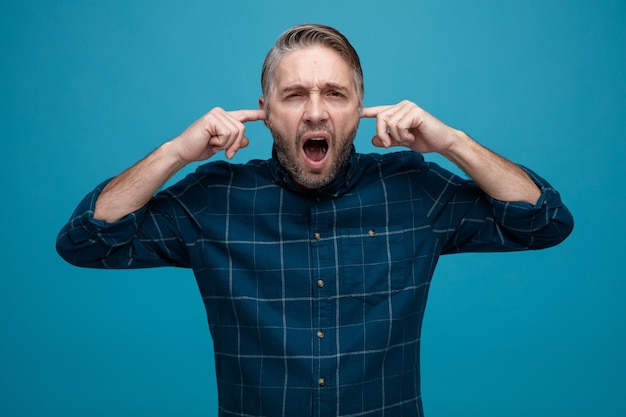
<point x="76" y="254"/>
<point x="559" y="229"/>
<point x="65" y="251"/>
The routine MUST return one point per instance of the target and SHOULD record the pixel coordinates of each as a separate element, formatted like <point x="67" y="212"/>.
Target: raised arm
<point x="215" y="131"/>
<point x="406" y="124"/>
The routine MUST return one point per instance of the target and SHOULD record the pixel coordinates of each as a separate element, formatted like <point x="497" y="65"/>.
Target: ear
<point x="262" y="107"/>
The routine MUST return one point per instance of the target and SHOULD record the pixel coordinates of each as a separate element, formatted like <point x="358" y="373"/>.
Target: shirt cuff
<point x="112" y="234"/>
<point x="525" y="217"/>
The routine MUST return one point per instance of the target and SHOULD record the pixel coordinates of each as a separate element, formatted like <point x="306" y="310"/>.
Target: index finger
<point x="373" y="111"/>
<point x="248" y="115"/>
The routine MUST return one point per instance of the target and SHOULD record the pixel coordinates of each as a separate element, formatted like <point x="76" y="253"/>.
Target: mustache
<point x="315" y="127"/>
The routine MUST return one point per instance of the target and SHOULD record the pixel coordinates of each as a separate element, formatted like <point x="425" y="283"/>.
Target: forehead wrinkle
<point x="311" y="71"/>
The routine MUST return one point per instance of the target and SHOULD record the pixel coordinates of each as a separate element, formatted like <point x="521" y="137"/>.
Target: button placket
<point x="322" y="255"/>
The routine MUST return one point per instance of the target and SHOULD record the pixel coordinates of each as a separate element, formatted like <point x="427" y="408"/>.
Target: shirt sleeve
<point x="472" y="221"/>
<point x="145" y="238"/>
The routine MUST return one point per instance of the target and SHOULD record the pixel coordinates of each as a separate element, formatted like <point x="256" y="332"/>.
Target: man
<point x="314" y="266"/>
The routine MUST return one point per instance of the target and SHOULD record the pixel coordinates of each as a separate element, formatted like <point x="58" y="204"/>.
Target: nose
<point x="315" y="110"/>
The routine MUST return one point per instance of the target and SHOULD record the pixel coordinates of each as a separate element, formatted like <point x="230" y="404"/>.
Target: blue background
<point x="90" y="87"/>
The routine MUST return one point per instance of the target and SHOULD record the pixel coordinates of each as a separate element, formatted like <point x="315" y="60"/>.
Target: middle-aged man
<point x="314" y="265"/>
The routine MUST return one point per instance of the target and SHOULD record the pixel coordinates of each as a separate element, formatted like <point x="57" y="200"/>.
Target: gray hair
<point x="303" y="36"/>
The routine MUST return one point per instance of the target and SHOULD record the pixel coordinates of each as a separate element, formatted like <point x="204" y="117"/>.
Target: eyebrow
<point x="301" y="87"/>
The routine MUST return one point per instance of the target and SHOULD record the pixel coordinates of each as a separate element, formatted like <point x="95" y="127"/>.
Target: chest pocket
<point x="374" y="263"/>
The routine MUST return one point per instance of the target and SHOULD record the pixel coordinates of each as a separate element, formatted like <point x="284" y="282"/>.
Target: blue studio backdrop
<point x="90" y="87"/>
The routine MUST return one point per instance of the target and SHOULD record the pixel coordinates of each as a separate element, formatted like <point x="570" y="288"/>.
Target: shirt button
<point x="320" y="283"/>
<point x="321" y="382"/>
<point x="317" y="236"/>
<point x="320" y="334"/>
<point x="371" y="233"/>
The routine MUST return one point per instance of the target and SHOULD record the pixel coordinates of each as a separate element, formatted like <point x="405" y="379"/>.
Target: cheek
<point x="347" y="115"/>
<point x="347" y="123"/>
<point x="283" y="123"/>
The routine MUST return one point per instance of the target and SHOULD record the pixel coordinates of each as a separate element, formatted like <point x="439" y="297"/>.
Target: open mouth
<point x="315" y="149"/>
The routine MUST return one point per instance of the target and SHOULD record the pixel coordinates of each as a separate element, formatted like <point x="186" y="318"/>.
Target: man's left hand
<point x="407" y="124"/>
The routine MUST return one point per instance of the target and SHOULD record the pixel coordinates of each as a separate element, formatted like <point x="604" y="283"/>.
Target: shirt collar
<point x="345" y="179"/>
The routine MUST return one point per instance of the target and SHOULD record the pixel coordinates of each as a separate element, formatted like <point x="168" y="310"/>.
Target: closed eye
<point x="292" y="96"/>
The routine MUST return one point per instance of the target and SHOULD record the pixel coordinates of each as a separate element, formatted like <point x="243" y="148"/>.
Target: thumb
<point x="377" y="141"/>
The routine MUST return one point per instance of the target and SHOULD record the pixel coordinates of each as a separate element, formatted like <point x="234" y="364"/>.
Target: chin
<point x="314" y="180"/>
<point x="312" y="183"/>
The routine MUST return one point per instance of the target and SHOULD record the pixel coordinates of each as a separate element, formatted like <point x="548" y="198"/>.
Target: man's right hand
<point x="215" y="131"/>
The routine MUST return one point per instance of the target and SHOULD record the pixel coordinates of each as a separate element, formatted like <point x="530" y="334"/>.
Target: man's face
<point x="313" y="114"/>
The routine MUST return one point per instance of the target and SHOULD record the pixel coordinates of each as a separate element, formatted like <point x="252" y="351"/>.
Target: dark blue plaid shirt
<point x="315" y="299"/>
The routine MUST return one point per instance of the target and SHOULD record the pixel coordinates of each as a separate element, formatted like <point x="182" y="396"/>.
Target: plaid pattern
<point x="315" y="300"/>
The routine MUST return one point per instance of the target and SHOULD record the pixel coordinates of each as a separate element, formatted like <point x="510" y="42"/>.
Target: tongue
<point x="315" y="150"/>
